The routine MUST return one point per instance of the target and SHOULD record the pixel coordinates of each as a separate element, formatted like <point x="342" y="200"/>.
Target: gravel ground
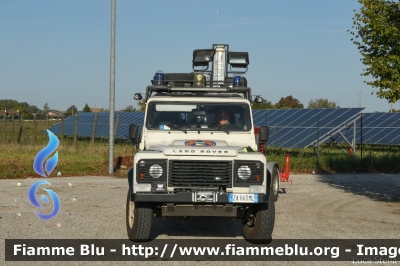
<point x="346" y="206"/>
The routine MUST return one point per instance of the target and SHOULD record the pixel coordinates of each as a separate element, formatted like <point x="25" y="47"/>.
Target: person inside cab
<point x="222" y="116"/>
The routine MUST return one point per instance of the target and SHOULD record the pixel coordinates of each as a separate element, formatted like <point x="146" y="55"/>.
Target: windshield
<point x="198" y="116"/>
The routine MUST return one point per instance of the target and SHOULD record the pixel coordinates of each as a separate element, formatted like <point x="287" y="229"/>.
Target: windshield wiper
<point x="179" y="128"/>
<point x="223" y="129"/>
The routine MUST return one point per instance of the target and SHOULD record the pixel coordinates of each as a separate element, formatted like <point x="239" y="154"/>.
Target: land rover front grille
<point x="188" y="173"/>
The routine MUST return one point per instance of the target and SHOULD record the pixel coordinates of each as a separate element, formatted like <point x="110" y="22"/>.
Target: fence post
<point x="47" y="119"/>
<point x="25" y="132"/>
<point x="115" y="128"/>
<point x="13" y="132"/>
<point x="4" y="127"/>
<point x="20" y="128"/>
<point x="34" y="129"/>
<point x="94" y="128"/>
<point x="76" y="131"/>
<point x="62" y="128"/>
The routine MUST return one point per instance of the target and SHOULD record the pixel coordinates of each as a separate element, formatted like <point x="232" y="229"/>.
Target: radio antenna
<point x="217" y="25"/>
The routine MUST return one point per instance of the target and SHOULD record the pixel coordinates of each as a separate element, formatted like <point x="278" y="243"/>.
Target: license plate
<point x="234" y="197"/>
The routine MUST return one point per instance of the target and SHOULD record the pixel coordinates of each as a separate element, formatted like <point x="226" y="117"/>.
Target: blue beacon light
<point x="158" y="78"/>
<point x="237" y="81"/>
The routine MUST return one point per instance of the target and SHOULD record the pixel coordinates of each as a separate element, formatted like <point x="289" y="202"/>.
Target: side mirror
<point x="133" y="132"/>
<point x="258" y="99"/>
<point x="264" y="133"/>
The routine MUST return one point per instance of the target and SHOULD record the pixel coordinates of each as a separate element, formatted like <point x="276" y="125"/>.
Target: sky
<point x="58" y="52"/>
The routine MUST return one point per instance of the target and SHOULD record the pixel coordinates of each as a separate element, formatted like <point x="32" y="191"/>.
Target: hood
<point x="197" y="147"/>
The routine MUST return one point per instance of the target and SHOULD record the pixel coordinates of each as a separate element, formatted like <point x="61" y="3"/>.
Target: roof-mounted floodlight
<point x="138" y="96"/>
<point x="238" y="59"/>
<point x="201" y="58"/>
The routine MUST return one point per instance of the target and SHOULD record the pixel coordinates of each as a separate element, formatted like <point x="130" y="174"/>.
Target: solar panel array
<point x="290" y="128"/>
<point x="86" y="121"/>
<point x="299" y="128"/>
<point x="377" y="128"/>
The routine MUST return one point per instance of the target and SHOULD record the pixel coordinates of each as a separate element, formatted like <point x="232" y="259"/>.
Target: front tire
<point x="275" y="183"/>
<point x="139" y="219"/>
<point x="260" y="228"/>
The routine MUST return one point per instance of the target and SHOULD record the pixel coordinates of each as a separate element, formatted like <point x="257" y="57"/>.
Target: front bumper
<point x="189" y="197"/>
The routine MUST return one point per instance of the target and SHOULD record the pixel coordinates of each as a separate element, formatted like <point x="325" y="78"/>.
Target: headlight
<point x="150" y="170"/>
<point x="155" y="171"/>
<point x="244" y="172"/>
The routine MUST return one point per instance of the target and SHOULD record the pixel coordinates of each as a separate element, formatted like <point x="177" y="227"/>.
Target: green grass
<point x="380" y="159"/>
<point x="19" y="149"/>
<point x="16" y="161"/>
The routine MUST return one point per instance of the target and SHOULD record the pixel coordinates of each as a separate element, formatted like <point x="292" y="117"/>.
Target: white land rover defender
<point x="198" y="150"/>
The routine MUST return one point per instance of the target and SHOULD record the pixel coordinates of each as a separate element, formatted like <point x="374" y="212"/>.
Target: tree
<point x="46" y="108"/>
<point x="23" y="108"/>
<point x="21" y="111"/>
<point x="263" y="105"/>
<point x="142" y="106"/>
<point x="86" y="109"/>
<point x="12" y="105"/>
<point x="321" y="103"/>
<point x="9" y="104"/>
<point x="72" y="110"/>
<point x="129" y="108"/>
<point x="376" y="31"/>
<point x="288" y="102"/>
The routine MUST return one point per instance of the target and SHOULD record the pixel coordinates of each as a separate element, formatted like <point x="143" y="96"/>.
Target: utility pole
<point x="112" y="92"/>
<point x="360" y="98"/>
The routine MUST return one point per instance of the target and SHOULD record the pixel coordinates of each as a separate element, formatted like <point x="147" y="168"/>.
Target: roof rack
<point x="244" y="91"/>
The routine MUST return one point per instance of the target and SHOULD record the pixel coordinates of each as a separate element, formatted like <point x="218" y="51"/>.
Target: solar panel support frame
<point x="339" y="131"/>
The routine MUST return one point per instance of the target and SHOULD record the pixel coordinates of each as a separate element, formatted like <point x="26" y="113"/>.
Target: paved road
<point x="315" y="206"/>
